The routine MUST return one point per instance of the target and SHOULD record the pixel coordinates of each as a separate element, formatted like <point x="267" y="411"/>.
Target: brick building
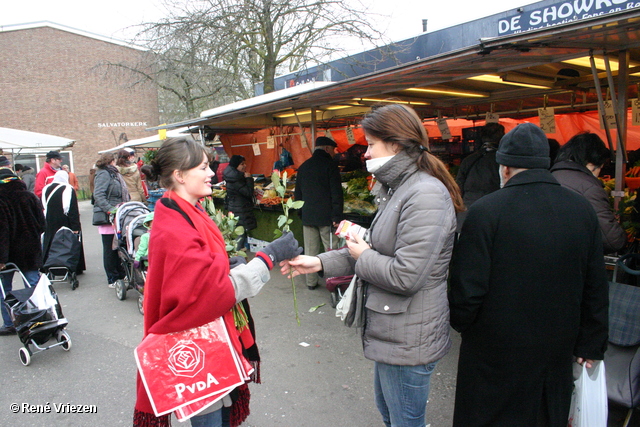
<point x="53" y="80"/>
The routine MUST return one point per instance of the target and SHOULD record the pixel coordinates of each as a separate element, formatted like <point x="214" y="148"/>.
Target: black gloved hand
<point x="236" y="261"/>
<point x="285" y="247"/>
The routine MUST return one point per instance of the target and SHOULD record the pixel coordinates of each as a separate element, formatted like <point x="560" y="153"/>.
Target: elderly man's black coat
<point x="318" y="185"/>
<point x="528" y="292"/>
<point x="21" y="223"/>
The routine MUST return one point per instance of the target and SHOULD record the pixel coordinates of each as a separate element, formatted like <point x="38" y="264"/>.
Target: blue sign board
<point x="561" y="13"/>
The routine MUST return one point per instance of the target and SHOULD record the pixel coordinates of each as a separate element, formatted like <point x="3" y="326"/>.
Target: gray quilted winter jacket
<point x="407" y="312"/>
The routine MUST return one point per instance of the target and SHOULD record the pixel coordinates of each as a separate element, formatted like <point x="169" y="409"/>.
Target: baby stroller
<point x="63" y="257"/>
<point x="129" y="227"/>
<point x="36" y="315"/>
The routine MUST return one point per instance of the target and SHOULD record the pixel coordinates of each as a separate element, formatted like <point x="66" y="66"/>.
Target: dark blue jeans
<point x="402" y="393"/>
<point x="212" y="419"/>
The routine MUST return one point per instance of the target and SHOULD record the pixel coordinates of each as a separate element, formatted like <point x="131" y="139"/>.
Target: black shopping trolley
<point x="36" y="315"/>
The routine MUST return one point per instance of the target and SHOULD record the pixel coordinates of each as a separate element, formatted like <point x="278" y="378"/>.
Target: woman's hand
<point x="356" y="245"/>
<point x="302" y="264"/>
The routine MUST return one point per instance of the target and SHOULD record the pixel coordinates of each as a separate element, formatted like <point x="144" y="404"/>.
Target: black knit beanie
<point x="525" y="147"/>
<point x="235" y="160"/>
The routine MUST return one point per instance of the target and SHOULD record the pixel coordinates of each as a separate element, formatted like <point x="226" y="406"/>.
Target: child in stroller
<point x="141" y="259"/>
<point x="129" y="229"/>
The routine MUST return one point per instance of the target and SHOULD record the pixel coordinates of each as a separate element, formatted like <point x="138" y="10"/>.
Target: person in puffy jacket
<point x="240" y="194"/>
<point x="403" y="270"/>
<point x="109" y="191"/>
<point x="131" y="175"/>
<point x="577" y="167"/>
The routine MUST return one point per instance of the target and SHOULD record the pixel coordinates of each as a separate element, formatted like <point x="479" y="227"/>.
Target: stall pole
<point x="621" y="121"/>
<point x="596" y="82"/>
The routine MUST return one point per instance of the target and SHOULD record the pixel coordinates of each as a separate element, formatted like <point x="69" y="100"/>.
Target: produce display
<point x="357" y="194"/>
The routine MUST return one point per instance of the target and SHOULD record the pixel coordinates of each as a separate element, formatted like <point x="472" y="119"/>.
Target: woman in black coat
<point x="577" y="167"/>
<point x="21" y="223"/>
<point x="61" y="210"/>
<point x="240" y="194"/>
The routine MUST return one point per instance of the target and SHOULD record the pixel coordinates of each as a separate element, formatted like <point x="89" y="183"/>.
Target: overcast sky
<point x="111" y="18"/>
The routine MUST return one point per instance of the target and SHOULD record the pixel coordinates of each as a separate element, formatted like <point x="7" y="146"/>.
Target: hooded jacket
<point x="240" y="197"/>
<point x="578" y="178"/>
<point x="131" y="176"/>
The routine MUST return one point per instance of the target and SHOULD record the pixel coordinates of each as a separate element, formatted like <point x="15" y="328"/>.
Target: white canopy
<point x="25" y="142"/>
<point x="152" y="141"/>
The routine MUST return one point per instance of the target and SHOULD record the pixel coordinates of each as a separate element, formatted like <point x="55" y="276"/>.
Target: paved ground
<point x="327" y="383"/>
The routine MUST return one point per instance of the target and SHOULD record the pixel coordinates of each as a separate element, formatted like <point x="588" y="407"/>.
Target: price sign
<point x="270" y="142"/>
<point x="547" y="119"/>
<point x="256" y="149"/>
<point x="444" y="128"/>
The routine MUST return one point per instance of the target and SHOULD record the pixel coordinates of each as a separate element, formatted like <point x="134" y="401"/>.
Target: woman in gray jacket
<point x="577" y="167"/>
<point x="403" y="270"/>
<point x="109" y="191"/>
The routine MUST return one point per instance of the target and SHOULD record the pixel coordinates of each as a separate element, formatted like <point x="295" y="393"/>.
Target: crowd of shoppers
<point x="522" y="278"/>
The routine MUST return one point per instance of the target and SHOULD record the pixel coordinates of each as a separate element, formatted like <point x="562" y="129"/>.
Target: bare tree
<point x="212" y="52"/>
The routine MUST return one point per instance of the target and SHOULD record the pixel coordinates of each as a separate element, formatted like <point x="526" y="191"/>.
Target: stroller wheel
<point x="140" y="301"/>
<point x="25" y="356"/>
<point x="121" y="290"/>
<point x="74" y="282"/>
<point x="334" y="299"/>
<point x="65" y="339"/>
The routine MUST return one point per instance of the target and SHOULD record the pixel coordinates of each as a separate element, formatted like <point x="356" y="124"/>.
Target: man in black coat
<point x="318" y="185"/>
<point x="21" y="223"/>
<point x="478" y="173"/>
<point x="528" y="293"/>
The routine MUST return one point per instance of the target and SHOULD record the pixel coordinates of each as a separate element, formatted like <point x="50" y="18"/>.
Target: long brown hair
<point x="399" y="124"/>
<point x="176" y="154"/>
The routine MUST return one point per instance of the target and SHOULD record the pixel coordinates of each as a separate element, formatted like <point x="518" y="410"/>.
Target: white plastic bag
<point x="342" y="309"/>
<point x="589" y="405"/>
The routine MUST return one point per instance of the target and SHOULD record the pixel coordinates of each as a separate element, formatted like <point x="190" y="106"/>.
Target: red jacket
<point x="44" y="177"/>
<point x="187" y="285"/>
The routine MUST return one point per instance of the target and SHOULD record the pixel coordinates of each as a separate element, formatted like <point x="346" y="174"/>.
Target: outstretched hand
<point x="302" y="264"/>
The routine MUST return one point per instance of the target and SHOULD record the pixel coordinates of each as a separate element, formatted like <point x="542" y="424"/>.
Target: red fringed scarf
<point x="240" y="339"/>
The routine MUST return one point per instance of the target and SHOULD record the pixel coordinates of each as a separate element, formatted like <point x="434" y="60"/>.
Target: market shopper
<point x="240" y="198"/>
<point x="29" y="178"/>
<point x="577" y="167"/>
<point x="73" y="179"/>
<point x="131" y="175"/>
<point x="109" y="191"/>
<point x="478" y="172"/>
<point x="61" y="210"/>
<point x="189" y="281"/>
<point x="403" y="269"/>
<point x="528" y="293"/>
<point x="318" y="184"/>
<point x="53" y="163"/>
<point x="21" y="223"/>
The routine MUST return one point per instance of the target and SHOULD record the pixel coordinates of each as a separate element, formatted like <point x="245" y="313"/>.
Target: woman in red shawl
<point x="189" y="281"/>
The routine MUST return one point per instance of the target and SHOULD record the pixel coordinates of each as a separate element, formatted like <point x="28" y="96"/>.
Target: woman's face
<point x="195" y="183"/>
<point x="378" y="148"/>
<point x="242" y="166"/>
